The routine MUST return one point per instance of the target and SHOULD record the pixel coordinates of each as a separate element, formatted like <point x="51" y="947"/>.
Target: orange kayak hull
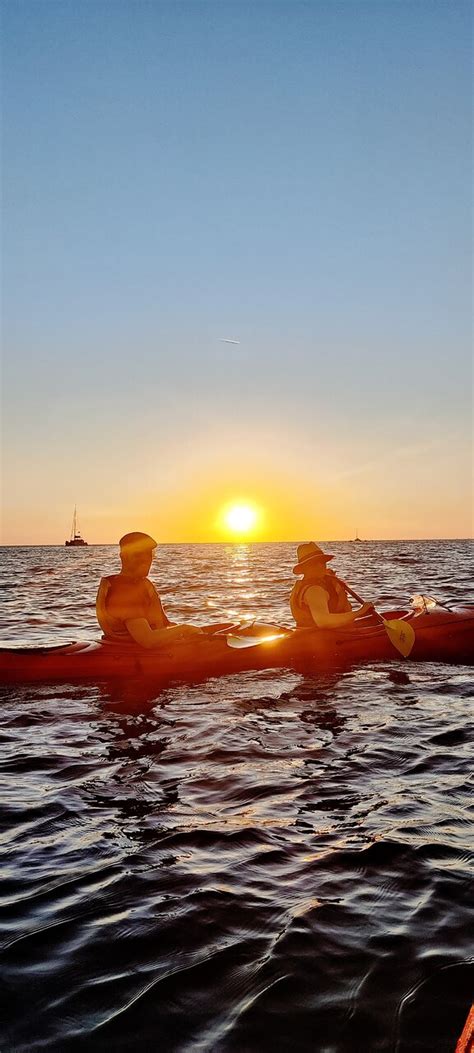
<point x="440" y="636"/>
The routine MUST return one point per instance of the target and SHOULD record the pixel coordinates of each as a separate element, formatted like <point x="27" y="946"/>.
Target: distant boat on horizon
<point x="75" y="541"/>
<point x="357" y="538"/>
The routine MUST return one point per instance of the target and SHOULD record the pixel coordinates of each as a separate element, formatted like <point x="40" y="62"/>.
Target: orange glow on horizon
<point x="296" y="496"/>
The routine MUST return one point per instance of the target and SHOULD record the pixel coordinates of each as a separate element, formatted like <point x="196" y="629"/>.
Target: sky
<point x="293" y="176"/>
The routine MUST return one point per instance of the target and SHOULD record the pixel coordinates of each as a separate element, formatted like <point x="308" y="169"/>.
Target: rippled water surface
<point x="261" y="862"/>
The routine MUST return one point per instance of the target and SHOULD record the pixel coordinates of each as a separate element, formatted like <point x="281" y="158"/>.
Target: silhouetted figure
<point x="320" y="599"/>
<point x="128" y="606"/>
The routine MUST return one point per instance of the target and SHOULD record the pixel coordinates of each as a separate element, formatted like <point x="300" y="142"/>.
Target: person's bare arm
<point x="140" y="630"/>
<point x="317" y="600"/>
<point x="156" y="613"/>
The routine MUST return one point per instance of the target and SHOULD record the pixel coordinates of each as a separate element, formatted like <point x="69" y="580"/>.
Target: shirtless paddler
<point x="128" y="606"/>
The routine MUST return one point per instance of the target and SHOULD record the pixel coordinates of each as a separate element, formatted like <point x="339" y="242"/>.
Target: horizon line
<point x="332" y="541"/>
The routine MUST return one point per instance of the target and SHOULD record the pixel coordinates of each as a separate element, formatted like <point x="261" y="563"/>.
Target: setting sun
<point x="240" y="518"/>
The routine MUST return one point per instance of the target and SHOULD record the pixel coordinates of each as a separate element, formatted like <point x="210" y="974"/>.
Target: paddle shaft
<point x="352" y="592"/>
<point x="359" y="599"/>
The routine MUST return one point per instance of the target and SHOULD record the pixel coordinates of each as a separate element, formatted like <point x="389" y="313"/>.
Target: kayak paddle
<point x="399" y="632"/>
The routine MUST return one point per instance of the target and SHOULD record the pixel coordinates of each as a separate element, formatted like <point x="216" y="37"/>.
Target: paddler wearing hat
<point x="128" y="606"/>
<point x="320" y="599"/>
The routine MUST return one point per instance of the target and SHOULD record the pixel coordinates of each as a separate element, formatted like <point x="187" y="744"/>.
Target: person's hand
<point x="189" y="630"/>
<point x="366" y="608"/>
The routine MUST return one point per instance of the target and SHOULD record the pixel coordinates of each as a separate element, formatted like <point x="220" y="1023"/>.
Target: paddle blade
<point x="238" y="642"/>
<point x="401" y="634"/>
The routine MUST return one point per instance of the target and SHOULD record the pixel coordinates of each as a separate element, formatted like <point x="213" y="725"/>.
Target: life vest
<point x="114" y="628"/>
<point x="338" y="602"/>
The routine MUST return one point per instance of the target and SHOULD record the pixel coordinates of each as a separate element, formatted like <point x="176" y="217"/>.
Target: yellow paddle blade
<point x="401" y="634"/>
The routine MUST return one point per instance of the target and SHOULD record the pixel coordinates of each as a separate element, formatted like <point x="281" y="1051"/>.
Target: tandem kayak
<point x="440" y="636"/>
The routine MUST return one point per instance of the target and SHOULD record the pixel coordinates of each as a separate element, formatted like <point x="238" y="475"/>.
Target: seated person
<point x="320" y="600"/>
<point x="128" y="606"/>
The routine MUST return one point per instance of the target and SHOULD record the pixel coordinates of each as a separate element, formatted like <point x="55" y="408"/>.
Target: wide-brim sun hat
<point x="308" y="552"/>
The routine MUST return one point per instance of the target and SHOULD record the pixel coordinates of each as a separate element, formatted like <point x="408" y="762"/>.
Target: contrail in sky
<point x="226" y="340"/>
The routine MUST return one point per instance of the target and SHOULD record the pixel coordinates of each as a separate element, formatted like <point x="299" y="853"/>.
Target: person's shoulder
<point x="109" y="579"/>
<point x="150" y="587"/>
<point x="314" y="590"/>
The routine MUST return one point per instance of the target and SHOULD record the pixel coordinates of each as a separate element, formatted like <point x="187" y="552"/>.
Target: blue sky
<point x="292" y="175"/>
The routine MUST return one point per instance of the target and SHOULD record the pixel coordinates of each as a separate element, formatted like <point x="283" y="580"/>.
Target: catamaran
<point x="75" y="540"/>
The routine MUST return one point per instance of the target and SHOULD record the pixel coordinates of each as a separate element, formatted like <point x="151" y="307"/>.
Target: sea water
<point x="266" y="861"/>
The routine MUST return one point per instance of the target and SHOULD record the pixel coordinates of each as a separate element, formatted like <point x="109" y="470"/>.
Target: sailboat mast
<point x="76" y="538"/>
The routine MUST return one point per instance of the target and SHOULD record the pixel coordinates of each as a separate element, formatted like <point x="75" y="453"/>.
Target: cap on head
<point x="136" y="543"/>
<point x="307" y="553"/>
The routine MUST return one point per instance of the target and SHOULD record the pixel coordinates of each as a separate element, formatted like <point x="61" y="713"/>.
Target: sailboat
<point x="76" y="541"/>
